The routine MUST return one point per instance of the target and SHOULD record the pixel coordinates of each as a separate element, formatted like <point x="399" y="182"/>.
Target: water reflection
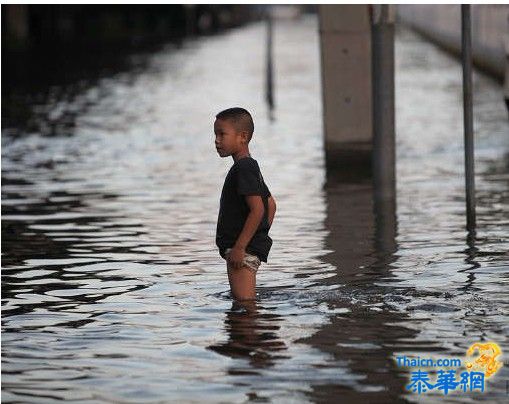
<point x="252" y="335"/>
<point x="362" y="238"/>
<point x="47" y="89"/>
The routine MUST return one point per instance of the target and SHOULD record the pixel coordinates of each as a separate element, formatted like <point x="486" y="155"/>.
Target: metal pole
<point x="269" y="95"/>
<point x="190" y="16"/>
<point x="384" y="161"/>
<point x="466" y="60"/>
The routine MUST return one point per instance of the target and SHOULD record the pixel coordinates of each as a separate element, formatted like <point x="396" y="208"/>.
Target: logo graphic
<point x="486" y="362"/>
<point x="472" y="379"/>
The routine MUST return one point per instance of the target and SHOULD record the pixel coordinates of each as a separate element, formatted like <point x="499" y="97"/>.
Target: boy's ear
<point x="245" y="136"/>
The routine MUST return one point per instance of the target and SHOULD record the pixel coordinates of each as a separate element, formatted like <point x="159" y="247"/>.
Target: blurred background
<point x="112" y="286"/>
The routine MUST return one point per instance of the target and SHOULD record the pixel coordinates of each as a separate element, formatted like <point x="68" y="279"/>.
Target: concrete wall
<point x="442" y="24"/>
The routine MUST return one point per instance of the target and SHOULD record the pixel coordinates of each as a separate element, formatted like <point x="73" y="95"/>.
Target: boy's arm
<point x="253" y="220"/>
<point x="272" y="209"/>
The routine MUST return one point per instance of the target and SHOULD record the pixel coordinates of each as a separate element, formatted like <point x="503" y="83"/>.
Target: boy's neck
<point x="241" y="154"/>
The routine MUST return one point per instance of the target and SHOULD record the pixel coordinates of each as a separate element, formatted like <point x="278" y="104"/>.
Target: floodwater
<point x="112" y="287"/>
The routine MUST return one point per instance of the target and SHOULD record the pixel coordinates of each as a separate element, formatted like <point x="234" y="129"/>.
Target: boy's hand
<point x="236" y="256"/>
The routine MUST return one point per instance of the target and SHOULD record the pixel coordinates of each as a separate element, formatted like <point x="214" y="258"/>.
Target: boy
<point x="247" y="207"/>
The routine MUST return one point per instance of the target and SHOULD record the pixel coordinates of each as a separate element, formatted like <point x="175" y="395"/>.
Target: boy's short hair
<point x="241" y="119"/>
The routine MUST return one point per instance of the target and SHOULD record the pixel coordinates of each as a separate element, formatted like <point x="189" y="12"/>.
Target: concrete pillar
<point x="345" y="43"/>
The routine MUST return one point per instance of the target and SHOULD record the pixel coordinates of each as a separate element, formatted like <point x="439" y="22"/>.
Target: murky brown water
<point x="113" y="290"/>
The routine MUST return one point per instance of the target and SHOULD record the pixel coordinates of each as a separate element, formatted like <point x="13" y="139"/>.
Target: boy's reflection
<point x="252" y="335"/>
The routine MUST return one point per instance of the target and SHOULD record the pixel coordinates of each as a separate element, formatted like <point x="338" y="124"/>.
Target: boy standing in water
<point x="247" y="207"/>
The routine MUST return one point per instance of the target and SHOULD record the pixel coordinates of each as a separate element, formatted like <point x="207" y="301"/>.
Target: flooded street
<point x="113" y="289"/>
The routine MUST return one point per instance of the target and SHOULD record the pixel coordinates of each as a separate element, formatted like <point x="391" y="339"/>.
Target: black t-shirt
<point x="244" y="178"/>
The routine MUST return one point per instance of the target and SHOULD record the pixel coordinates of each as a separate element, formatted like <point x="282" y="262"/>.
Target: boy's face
<point x="228" y="139"/>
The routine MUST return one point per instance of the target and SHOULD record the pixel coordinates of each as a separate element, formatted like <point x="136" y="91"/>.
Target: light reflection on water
<point x="112" y="286"/>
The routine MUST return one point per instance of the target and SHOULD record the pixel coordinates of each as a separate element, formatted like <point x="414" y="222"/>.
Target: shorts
<point x="250" y="261"/>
